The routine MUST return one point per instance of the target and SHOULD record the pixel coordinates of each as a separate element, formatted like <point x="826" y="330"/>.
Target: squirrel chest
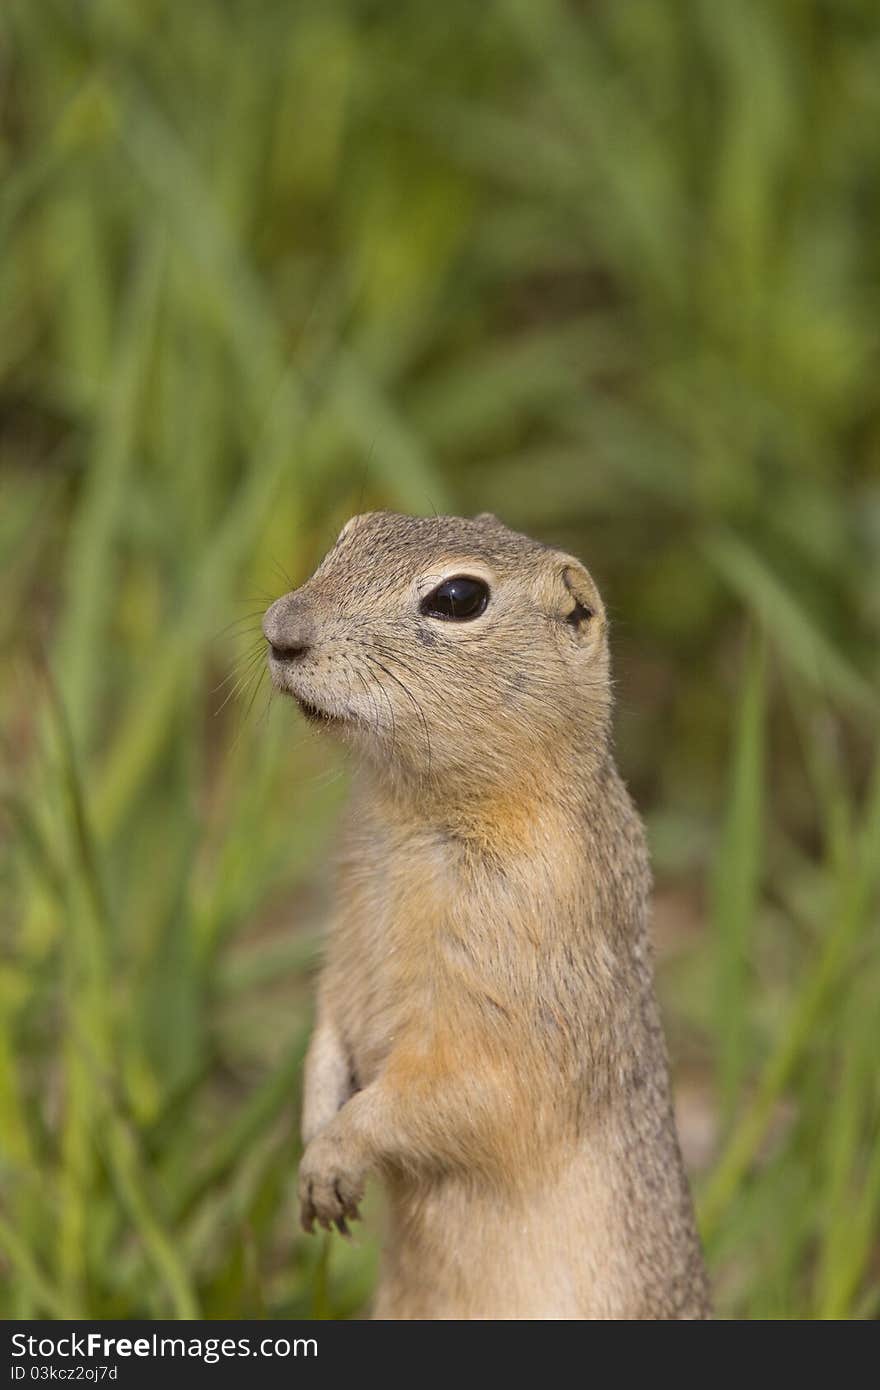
<point x="437" y="949"/>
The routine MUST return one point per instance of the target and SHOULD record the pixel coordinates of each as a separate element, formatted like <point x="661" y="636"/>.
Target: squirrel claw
<point x="330" y="1189"/>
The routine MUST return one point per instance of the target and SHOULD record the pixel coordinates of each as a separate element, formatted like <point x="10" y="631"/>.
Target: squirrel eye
<point x="456" y="599"/>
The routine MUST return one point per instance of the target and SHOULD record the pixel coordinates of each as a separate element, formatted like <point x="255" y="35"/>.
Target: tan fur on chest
<point x="444" y="948"/>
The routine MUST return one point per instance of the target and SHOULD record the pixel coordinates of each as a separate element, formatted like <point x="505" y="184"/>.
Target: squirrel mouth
<point x="316" y="715"/>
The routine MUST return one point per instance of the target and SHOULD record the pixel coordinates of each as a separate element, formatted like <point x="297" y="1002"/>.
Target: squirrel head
<point x="446" y="648"/>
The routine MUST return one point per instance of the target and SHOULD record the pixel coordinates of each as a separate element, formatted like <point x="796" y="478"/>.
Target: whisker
<point x="241" y="683"/>
<point x="238" y="622"/>
<point x="261" y="596"/>
<point x="256" y="690"/>
<point x="270" y="695"/>
<point x="372" y="700"/>
<point x="283" y="573"/>
<point x="241" y="664"/>
<point x="418" y="709"/>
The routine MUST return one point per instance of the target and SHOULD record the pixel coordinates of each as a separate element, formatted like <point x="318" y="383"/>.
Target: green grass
<point x="608" y="270"/>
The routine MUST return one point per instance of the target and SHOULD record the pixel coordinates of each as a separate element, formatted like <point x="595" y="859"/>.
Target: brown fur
<point x="487" y="1038"/>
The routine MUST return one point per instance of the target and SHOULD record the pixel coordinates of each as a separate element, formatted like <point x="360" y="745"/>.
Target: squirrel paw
<point x="330" y="1186"/>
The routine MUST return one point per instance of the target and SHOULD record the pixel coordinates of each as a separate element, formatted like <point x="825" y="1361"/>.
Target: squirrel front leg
<point x="413" y="1117"/>
<point x="327" y="1079"/>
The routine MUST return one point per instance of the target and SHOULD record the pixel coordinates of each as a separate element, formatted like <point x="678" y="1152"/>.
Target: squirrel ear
<point x="489" y="519"/>
<point x="582" y="611"/>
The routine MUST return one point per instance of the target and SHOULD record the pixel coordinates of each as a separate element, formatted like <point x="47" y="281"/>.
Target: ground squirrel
<point x="487" y="1037"/>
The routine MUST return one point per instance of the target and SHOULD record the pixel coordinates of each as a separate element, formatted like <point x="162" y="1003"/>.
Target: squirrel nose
<point x="290" y="651"/>
<point x="287" y="629"/>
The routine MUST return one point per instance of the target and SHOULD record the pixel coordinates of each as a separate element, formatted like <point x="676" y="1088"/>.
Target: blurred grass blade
<point x="855" y="915"/>
<point x="852" y="1202"/>
<point x="809" y="650"/>
<point x="736" y="879"/>
<point x="88" y="1034"/>
<point x="398" y="456"/>
<point x="125" y="1166"/>
<point x="270" y="1098"/>
<point x="45" y="1298"/>
<point x="147" y="722"/>
<point x="94" y="557"/>
<point x="322" y="1307"/>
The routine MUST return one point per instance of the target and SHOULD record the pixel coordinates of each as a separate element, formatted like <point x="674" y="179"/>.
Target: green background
<point x="609" y="270"/>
